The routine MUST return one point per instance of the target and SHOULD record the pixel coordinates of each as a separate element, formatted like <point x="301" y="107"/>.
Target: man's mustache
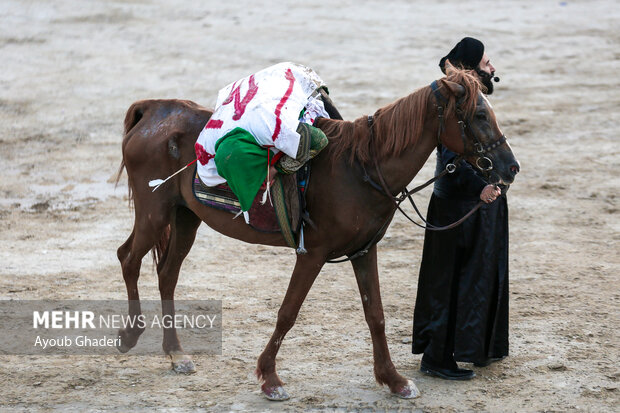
<point x="486" y="75"/>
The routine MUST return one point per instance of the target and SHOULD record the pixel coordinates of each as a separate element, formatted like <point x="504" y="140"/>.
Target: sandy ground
<point x="71" y="69"/>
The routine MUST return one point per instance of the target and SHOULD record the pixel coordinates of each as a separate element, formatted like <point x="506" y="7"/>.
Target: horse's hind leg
<point x="145" y="235"/>
<point x="367" y="276"/>
<point x="306" y="269"/>
<point x="183" y="227"/>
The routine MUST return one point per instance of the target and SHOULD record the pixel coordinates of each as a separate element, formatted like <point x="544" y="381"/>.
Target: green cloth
<point x="243" y="163"/>
<point x="312" y="141"/>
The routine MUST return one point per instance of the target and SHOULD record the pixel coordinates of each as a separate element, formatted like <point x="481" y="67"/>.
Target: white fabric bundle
<point x="267" y="104"/>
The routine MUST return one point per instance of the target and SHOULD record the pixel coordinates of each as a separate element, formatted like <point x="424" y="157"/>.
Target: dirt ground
<point x="71" y="69"/>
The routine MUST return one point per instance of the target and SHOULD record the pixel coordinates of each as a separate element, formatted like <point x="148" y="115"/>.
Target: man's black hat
<point x="467" y="53"/>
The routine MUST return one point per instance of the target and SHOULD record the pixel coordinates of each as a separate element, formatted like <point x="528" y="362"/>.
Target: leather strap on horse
<point x="374" y="239"/>
<point x="432" y="227"/>
<point x="282" y="214"/>
<point x="407" y="195"/>
<point x="367" y="247"/>
<point x="482" y="162"/>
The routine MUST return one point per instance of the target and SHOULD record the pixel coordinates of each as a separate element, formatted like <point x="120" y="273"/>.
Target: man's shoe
<point x="446" y="373"/>
<point x="488" y="361"/>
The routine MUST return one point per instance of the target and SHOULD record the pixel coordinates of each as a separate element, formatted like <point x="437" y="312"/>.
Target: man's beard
<point x="486" y="79"/>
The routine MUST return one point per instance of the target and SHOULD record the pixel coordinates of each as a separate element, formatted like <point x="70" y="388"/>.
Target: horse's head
<point x="468" y="126"/>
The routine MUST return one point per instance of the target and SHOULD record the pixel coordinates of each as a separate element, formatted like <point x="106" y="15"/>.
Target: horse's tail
<point x="132" y="117"/>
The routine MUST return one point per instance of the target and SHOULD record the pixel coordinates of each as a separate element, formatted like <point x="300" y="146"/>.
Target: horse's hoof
<point x="126" y="341"/>
<point x="275" y="393"/>
<point x="408" y="391"/>
<point x="183" y="365"/>
<point x="121" y="346"/>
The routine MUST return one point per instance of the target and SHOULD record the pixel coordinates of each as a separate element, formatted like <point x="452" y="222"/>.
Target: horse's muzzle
<point x="515" y="168"/>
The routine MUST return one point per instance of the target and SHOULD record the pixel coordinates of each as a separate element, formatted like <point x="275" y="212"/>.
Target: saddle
<point x="284" y="214"/>
<point x="288" y="211"/>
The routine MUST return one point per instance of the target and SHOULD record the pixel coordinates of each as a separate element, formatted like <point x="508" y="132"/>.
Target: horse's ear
<point x="448" y="67"/>
<point x="456" y="89"/>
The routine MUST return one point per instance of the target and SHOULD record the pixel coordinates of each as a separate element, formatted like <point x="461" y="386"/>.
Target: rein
<point x="406" y="194"/>
<point x="482" y="162"/>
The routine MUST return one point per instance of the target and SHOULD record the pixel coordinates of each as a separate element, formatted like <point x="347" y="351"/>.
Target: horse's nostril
<point x="514" y="169"/>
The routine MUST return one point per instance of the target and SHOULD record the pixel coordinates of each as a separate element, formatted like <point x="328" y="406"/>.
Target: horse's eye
<point x="481" y="116"/>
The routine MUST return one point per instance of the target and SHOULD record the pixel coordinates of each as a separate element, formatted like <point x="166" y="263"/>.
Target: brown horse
<point x="347" y="211"/>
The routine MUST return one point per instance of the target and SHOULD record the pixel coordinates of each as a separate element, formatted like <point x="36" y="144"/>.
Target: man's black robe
<point x="462" y="300"/>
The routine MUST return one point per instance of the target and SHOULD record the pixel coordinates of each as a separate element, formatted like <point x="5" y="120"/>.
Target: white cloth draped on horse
<point x="268" y="105"/>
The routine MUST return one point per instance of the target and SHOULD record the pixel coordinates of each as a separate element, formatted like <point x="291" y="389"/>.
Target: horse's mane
<point x="398" y="125"/>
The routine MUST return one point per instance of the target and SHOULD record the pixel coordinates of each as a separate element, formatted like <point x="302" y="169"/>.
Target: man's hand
<point x="490" y="193"/>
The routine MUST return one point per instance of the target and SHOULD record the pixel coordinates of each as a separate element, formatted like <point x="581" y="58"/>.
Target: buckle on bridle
<point x="485" y="160"/>
<point x="450" y="168"/>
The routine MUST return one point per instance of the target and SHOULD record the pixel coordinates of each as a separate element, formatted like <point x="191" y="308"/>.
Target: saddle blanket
<point x="284" y="214"/>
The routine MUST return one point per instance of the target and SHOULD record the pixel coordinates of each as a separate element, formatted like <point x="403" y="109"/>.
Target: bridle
<point x="483" y="162"/>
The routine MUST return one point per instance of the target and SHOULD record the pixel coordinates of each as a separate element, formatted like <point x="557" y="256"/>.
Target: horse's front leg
<point x="367" y="276"/>
<point x="306" y="270"/>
